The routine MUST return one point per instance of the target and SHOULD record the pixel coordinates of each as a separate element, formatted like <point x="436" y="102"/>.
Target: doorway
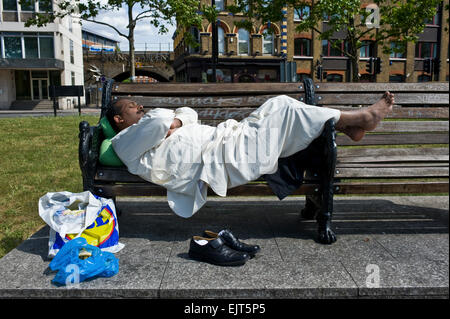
<point x="39" y="85"/>
<point x="40" y="89"/>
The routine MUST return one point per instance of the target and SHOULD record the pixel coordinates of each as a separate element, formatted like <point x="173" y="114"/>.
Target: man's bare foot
<point x="378" y="111"/>
<point x="354" y="132"/>
<point x="356" y="123"/>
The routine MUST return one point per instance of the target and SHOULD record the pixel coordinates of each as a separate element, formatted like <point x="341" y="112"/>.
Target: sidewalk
<point x="402" y="241"/>
<point x="48" y="112"/>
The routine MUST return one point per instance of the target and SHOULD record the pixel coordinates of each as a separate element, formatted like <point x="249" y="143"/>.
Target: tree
<point x="383" y="21"/>
<point x="153" y="11"/>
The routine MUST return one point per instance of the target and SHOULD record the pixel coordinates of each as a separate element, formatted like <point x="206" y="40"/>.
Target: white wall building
<point x="33" y="58"/>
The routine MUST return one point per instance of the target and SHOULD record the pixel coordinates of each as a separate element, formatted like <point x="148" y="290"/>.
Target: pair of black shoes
<point x="221" y="248"/>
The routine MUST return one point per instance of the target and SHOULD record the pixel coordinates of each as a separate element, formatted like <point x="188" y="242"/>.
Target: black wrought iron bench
<point x="408" y="152"/>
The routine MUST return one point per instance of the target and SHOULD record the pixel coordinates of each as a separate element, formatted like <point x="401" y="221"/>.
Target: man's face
<point x="130" y="114"/>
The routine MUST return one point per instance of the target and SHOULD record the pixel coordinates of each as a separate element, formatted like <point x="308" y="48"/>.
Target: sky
<point x="144" y="32"/>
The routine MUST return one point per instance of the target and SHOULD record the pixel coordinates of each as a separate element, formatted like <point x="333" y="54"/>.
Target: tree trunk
<point x="353" y="51"/>
<point x="132" y="57"/>
<point x="355" y="69"/>
<point x="131" y="26"/>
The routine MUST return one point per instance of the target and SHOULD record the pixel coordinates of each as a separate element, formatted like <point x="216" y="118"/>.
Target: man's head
<point x="124" y="113"/>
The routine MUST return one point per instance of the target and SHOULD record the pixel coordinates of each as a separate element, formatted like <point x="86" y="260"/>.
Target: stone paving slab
<point x="399" y="242"/>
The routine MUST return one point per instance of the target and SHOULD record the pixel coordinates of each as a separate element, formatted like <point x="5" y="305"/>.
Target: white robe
<point x="234" y="153"/>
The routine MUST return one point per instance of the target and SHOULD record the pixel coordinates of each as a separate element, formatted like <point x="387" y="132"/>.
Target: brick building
<point x="258" y="56"/>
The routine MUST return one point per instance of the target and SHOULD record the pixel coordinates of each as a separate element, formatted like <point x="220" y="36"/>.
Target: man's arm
<point x="183" y="116"/>
<point x="186" y="115"/>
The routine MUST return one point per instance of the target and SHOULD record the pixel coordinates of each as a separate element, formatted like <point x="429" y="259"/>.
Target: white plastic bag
<point x="72" y="215"/>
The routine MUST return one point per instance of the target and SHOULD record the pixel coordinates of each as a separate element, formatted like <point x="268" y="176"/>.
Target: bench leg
<point x="312" y="207"/>
<point x="326" y="234"/>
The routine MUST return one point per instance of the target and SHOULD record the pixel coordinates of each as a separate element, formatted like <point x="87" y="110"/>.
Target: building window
<point x="9" y="5"/>
<point x="426" y="50"/>
<point x="301" y="13"/>
<point x="221" y="40"/>
<point x="45" y="6"/>
<point x="72" y="54"/>
<point x="268" y="42"/>
<point x="243" y="42"/>
<point x="367" y="50"/>
<point x="46" y="48"/>
<point x="220" y="5"/>
<point x="267" y="75"/>
<point x="35" y="45"/>
<point x="397" y="51"/>
<point x="31" y="47"/>
<point x="72" y="77"/>
<point x="332" y="51"/>
<point x="335" y="78"/>
<point x="222" y="75"/>
<point x="196" y="37"/>
<point x="424" y="78"/>
<point x="397" y="78"/>
<point x="302" y="47"/>
<point x="13" y="47"/>
<point x="366" y="78"/>
<point x="434" y="20"/>
<point x="27" y="7"/>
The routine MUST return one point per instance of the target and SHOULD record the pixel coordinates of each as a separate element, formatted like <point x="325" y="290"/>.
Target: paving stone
<point x="405" y="237"/>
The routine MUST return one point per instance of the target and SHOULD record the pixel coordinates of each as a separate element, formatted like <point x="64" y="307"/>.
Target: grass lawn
<point x="38" y="155"/>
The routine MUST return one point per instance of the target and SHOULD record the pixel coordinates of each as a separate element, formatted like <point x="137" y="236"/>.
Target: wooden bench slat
<point x="393" y="164"/>
<point x="397" y="172"/>
<point x="405" y="152"/>
<point x="369" y="98"/>
<point x="394" y="139"/>
<point x="396" y="159"/>
<point x="397" y="113"/>
<point x="200" y="102"/>
<point x="216" y="115"/>
<point x="382" y="87"/>
<point x="412" y="126"/>
<point x="252" y="88"/>
<point x="111" y="190"/>
<point x="391" y="188"/>
<point x="363" y="171"/>
<point x="211" y="89"/>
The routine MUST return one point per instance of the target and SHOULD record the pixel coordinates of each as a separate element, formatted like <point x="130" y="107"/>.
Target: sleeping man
<point x="170" y="148"/>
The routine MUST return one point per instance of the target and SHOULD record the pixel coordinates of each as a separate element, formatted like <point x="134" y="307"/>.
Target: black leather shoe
<point x="233" y="242"/>
<point x="216" y="252"/>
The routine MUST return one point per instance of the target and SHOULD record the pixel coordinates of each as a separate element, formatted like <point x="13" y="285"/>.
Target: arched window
<point x="243" y="42"/>
<point x="221" y="40"/>
<point x="268" y="42"/>
<point x="302" y="47"/>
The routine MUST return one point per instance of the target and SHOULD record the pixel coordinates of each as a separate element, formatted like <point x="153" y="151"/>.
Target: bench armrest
<point x="88" y="152"/>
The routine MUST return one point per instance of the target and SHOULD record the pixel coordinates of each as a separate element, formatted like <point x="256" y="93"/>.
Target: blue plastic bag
<point x="72" y="269"/>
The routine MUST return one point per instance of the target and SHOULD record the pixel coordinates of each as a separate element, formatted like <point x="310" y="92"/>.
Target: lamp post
<point x="215" y="47"/>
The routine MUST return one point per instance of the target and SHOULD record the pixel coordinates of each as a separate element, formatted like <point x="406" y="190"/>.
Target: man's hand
<point x="175" y="125"/>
